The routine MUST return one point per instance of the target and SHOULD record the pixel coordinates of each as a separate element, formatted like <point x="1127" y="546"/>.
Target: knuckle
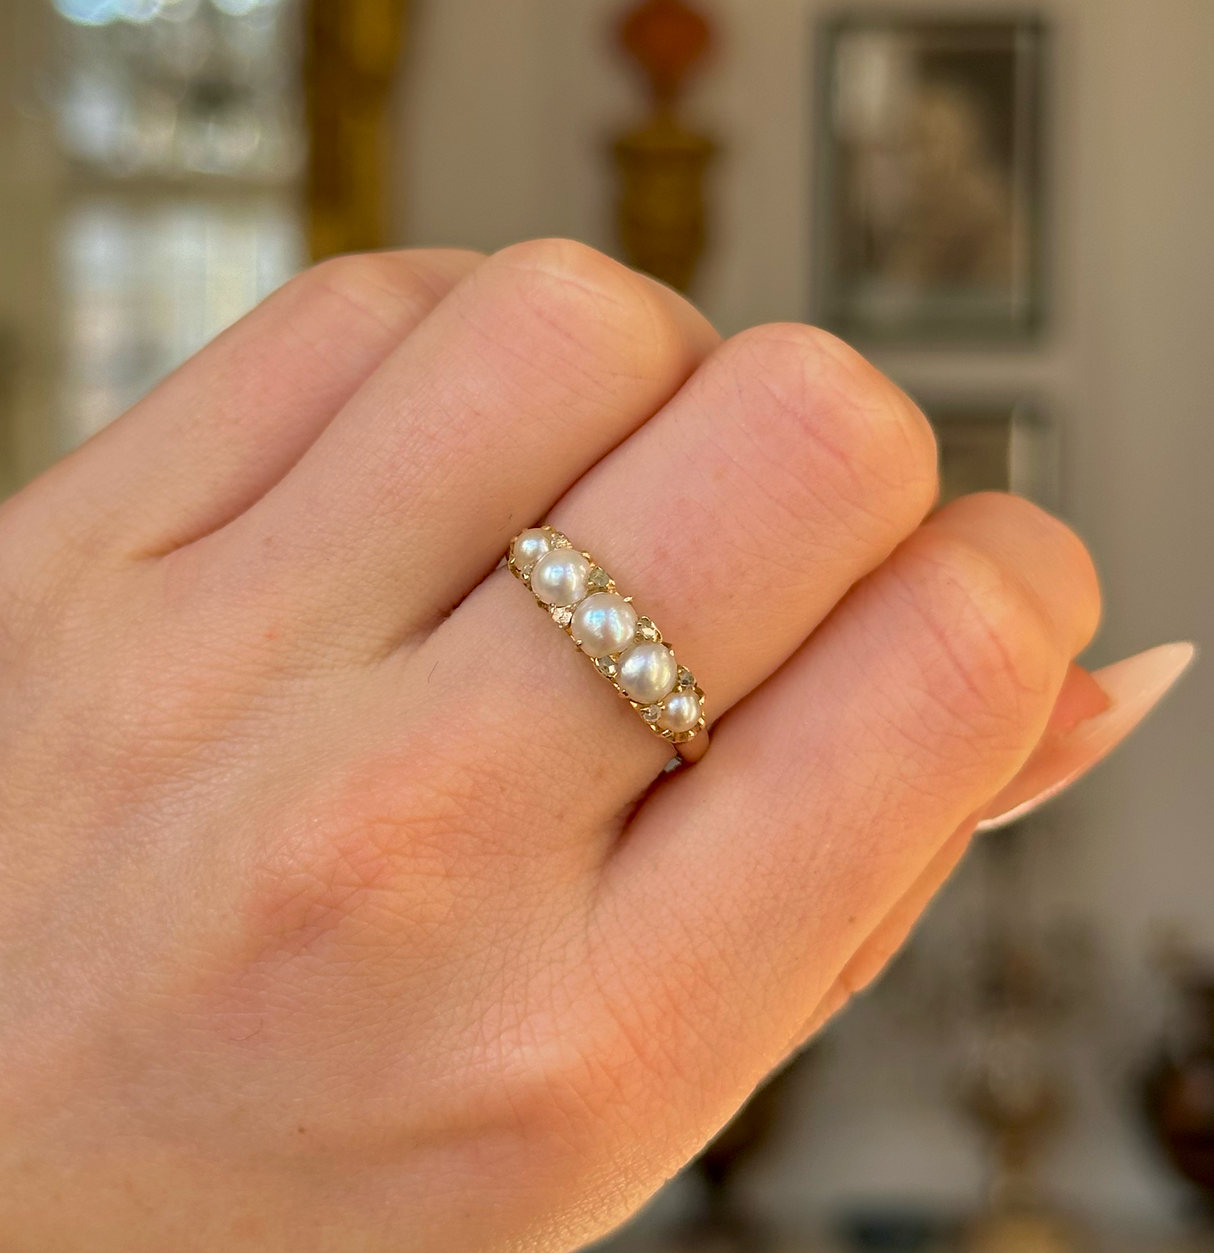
<point x="569" y="262"/>
<point x="1049" y="561"/>
<point x="1073" y="600"/>
<point x="380" y="288"/>
<point x="988" y="653"/>
<point x="594" y="306"/>
<point x="820" y="410"/>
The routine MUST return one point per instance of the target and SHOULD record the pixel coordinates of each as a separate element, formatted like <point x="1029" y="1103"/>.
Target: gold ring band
<point x="627" y="649"/>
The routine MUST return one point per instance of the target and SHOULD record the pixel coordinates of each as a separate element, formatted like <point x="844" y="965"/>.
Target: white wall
<point x="504" y="124"/>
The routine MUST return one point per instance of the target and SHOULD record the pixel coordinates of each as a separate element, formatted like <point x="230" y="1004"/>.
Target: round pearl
<point x="603" y="624"/>
<point x="681" y="711"/>
<point x="559" y="577"/>
<point x="530" y="547"/>
<point x="647" y="672"/>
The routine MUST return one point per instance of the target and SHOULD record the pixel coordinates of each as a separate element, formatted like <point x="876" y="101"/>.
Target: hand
<point x="344" y="907"/>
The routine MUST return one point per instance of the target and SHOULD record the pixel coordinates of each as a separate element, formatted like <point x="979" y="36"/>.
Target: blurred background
<point x="1010" y="210"/>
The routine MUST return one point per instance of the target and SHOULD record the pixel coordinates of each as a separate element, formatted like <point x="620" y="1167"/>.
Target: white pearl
<point x="647" y="672"/>
<point x="559" y="577"/>
<point x="530" y="547"/>
<point x="681" y="711"/>
<point x="603" y="624"/>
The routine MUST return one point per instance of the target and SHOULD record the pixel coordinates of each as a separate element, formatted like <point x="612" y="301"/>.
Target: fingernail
<point x="1133" y="687"/>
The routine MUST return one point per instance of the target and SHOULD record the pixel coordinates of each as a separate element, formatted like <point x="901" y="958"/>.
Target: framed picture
<point x="928" y="177"/>
<point x="994" y="446"/>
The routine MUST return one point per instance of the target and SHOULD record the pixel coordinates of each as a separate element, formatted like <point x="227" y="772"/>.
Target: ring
<point x="627" y="649"/>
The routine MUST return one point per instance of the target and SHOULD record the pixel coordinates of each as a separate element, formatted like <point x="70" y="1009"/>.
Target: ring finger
<point x="785" y="470"/>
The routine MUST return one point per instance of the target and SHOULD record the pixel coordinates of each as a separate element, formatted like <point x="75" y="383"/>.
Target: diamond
<point x="651" y="713"/>
<point x="686" y="678"/>
<point x="646" y="630"/>
<point x="562" y="616"/>
<point x="560" y="541"/>
<point x="599" y="579"/>
<point x="607" y="666"/>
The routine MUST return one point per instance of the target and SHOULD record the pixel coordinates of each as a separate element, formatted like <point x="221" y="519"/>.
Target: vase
<point x="1179" y="1093"/>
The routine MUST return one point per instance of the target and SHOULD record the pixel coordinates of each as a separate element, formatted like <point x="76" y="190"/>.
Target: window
<point x="179" y="123"/>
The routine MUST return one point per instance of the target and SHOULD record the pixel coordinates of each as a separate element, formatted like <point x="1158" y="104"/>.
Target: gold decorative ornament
<point x="661" y="211"/>
<point x="351" y="53"/>
<point x="627" y="649"/>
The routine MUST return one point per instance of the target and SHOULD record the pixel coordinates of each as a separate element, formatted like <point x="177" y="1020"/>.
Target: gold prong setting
<point x="640" y="664"/>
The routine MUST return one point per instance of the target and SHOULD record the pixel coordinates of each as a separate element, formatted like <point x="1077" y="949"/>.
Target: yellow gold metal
<point x="691" y="744"/>
<point x="352" y="55"/>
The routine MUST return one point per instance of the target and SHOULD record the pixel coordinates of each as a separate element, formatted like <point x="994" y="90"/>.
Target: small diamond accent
<point x="646" y="646"/>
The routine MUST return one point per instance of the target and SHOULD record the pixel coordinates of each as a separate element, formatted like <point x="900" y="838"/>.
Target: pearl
<point x="647" y="673"/>
<point x="603" y="624"/>
<point x="559" y="577"/>
<point x="681" y="711"/>
<point x="530" y="547"/>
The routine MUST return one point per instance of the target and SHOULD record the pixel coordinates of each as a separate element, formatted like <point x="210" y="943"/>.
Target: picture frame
<point x="928" y="217"/>
<point x="995" y="444"/>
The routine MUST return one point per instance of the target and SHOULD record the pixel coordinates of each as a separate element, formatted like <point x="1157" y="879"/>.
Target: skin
<point x="342" y="905"/>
